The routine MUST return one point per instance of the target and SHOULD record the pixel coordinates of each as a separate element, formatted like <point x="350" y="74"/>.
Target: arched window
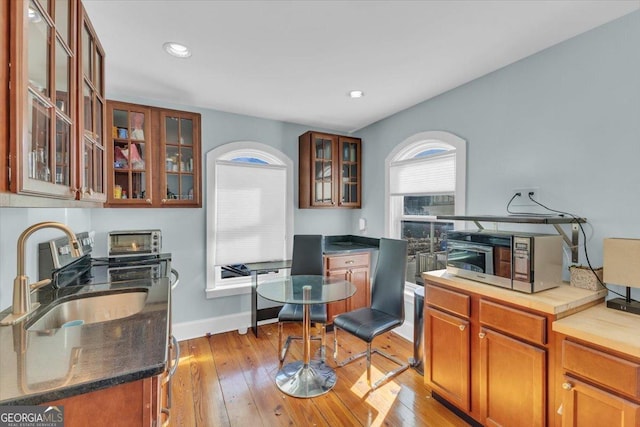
<point x="425" y="178"/>
<point x="249" y="212"/>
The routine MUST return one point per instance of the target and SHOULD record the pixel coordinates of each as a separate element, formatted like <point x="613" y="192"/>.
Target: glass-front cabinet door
<point x="349" y="182"/>
<point x="129" y="155"/>
<point x="43" y="91"/>
<point x="322" y="191"/>
<point x="92" y="111"/>
<point x="329" y="171"/>
<point x="180" y="165"/>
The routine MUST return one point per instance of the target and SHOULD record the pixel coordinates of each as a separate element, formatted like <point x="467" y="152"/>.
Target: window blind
<point x="250" y="213"/>
<point x="427" y="176"/>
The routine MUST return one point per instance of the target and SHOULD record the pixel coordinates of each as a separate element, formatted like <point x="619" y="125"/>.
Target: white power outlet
<point x="523" y="199"/>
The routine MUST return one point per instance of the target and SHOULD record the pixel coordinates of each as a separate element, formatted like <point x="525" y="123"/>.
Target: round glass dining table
<point x="306" y="378"/>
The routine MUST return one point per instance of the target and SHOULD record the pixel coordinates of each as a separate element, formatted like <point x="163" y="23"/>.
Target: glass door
<point x="92" y="102"/>
<point x="350" y="172"/>
<point x="322" y="190"/>
<point x="130" y="155"/>
<point x="181" y="162"/>
<point x="44" y="76"/>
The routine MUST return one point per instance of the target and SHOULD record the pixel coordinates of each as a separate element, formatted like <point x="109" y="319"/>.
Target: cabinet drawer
<point x="530" y="327"/>
<point x="347" y="261"/>
<point x="619" y="374"/>
<point x="445" y="299"/>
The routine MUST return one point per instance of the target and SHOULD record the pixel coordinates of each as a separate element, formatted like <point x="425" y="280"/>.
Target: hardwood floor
<point x="229" y="380"/>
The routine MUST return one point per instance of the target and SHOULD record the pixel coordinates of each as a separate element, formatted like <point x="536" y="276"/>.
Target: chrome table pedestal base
<point x="298" y="380"/>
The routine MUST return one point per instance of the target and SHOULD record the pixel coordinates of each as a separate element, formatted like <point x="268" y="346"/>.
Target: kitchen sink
<point x="89" y="309"/>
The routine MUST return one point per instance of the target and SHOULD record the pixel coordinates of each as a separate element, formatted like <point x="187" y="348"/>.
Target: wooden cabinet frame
<point x="332" y="178"/>
<point x="156" y="143"/>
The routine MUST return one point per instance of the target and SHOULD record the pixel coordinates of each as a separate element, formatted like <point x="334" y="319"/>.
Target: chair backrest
<point x="387" y="290"/>
<point x="307" y="255"/>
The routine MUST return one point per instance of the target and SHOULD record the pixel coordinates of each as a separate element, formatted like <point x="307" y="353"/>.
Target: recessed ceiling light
<point x="356" y="94"/>
<point x="176" y="49"/>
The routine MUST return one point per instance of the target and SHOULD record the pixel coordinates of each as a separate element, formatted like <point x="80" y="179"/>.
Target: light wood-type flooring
<point x="229" y="380"/>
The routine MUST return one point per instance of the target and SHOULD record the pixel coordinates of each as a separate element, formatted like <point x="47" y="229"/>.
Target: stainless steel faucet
<point x="21" y="288"/>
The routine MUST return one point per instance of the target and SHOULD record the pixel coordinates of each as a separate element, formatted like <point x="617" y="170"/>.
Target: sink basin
<point x="90" y="309"/>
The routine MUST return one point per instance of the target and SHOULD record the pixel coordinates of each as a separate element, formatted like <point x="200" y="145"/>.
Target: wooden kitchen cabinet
<point x="330" y="170"/>
<point x="599" y="387"/>
<point x="512" y="381"/>
<point x="355" y="269"/>
<point x="91" y="114"/>
<point x="55" y="110"/>
<point x="134" y="404"/>
<point x="4" y="96"/>
<point x="487" y="359"/>
<point x="447" y="345"/>
<point x="153" y="157"/>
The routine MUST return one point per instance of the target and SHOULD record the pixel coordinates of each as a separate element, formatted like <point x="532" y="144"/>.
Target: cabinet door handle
<point x="148" y="201"/>
<point x="481" y="334"/>
<point x="567" y="386"/>
<point x="462" y="327"/>
<point x="164" y="200"/>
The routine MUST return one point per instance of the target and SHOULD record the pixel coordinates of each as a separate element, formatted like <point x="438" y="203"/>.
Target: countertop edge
<point x="604" y="327"/>
<point x="555" y="301"/>
<point x="78" y="389"/>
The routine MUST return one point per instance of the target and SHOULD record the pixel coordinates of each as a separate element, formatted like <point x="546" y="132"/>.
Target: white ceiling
<point x="295" y="61"/>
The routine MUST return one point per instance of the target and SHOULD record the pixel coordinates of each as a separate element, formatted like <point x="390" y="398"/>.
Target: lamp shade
<point x="621" y="262"/>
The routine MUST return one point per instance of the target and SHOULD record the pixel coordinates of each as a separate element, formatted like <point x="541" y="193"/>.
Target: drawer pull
<point x="567" y="386"/>
<point x="462" y="327"/>
<point x="481" y="334"/>
<point x="349" y="262"/>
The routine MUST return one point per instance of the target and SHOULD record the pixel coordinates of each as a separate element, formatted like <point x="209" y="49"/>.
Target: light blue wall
<point x="566" y="120"/>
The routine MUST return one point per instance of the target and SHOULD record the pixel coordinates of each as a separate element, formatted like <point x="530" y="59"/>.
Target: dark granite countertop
<point x="42" y="366"/>
<point x="349" y="244"/>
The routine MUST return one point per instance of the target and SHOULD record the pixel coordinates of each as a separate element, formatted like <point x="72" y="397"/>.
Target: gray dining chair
<point x="306" y="260"/>
<point x="386" y="311"/>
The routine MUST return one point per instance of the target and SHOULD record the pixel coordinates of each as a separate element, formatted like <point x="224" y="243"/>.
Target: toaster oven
<point x="134" y="243"/>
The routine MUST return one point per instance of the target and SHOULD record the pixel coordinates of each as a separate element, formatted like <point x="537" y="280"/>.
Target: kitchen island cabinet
<point x="600" y="368"/>
<point x="495" y="369"/>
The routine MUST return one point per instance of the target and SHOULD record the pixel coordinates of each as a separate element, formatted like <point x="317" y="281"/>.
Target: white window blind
<point x="431" y="175"/>
<point x="250" y="213"/>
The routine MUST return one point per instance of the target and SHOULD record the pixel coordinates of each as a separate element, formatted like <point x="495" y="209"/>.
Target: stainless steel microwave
<point x="525" y="262"/>
<point x="134" y="242"/>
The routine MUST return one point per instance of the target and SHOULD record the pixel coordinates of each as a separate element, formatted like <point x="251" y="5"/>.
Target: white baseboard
<point x="215" y="325"/>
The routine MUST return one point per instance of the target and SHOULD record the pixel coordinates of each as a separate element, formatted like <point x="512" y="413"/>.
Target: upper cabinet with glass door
<point x="43" y="97"/>
<point x="56" y="105"/>
<point x="153" y="157"/>
<point x="92" y="114"/>
<point x="180" y="135"/>
<point x="129" y="155"/>
<point x="329" y="171"/>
